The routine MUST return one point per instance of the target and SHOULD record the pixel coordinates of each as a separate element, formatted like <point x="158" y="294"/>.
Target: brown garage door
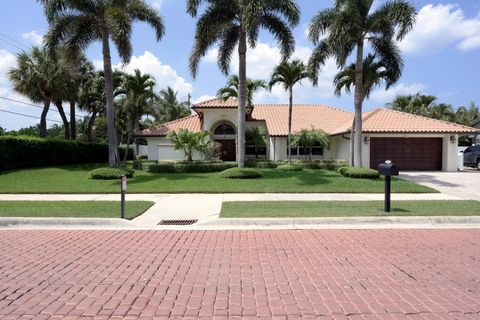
<point x="407" y="153"/>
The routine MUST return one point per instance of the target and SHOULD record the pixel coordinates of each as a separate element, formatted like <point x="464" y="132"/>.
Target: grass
<point x="72" y="209"/>
<point x="299" y="209"/>
<point x="76" y="179"/>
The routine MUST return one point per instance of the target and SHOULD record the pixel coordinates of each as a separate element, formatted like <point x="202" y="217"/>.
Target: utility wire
<point x="39" y="107"/>
<point x="12" y="44"/>
<point x="12" y="39"/>
<point x="29" y="116"/>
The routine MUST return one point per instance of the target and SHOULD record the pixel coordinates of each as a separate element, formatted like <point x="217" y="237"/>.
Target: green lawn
<point x="75" y="179"/>
<point x="72" y="209"/>
<point x="299" y="209"/>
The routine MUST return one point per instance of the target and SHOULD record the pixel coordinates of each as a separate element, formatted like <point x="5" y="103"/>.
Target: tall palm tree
<point x="288" y="74"/>
<point x="167" y="107"/>
<point x="138" y="90"/>
<point x="37" y="76"/>
<point x="75" y="24"/>
<point x="231" y="90"/>
<point x="232" y="23"/>
<point x="339" y="31"/>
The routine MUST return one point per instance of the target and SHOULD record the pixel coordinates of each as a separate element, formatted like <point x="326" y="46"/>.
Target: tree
<point x="289" y="74"/>
<point x="232" y="23"/>
<point x="256" y="137"/>
<point x="308" y="138"/>
<point x="443" y="111"/>
<point x="3" y="131"/>
<point x="374" y="73"/>
<point x="338" y="31"/>
<point x="231" y="90"/>
<point x="75" y="24"/>
<point x="419" y="104"/>
<point x="167" y="107"/>
<point x="138" y="90"/>
<point x="190" y="142"/>
<point x="37" y="76"/>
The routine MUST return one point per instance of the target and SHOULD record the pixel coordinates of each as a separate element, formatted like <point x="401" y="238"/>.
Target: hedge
<point x="304" y="164"/>
<point x="110" y="173"/>
<point x="289" y="167"/>
<point x="186" y="167"/>
<point x="241" y="173"/>
<point x="358" y="173"/>
<point x="24" y="152"/>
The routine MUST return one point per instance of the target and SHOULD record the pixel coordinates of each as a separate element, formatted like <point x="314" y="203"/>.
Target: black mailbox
<point x="388" y="169"/>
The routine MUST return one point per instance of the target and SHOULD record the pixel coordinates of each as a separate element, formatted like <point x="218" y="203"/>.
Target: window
<point x="261" y="151"/>
<point x="224" y="129"/>
<point x="317" y="150"/>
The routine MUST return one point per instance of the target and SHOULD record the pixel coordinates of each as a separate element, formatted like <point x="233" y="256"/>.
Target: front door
<point x="227" y="150"/>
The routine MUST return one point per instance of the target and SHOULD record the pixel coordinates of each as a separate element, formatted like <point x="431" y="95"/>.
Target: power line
<point x="29" y="116"/>
<point x="12" y="39"/>
<point x="39" y="107"/>
<point x="12" y="44"/>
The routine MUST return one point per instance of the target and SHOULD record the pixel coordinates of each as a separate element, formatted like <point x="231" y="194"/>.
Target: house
<point x="412" y="142"/>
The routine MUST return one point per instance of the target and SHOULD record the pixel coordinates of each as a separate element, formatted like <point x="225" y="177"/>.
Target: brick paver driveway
<point x="364" y="274"/>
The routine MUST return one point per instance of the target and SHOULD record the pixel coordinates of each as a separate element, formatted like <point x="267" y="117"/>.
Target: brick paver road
<point x="363" y="274"/>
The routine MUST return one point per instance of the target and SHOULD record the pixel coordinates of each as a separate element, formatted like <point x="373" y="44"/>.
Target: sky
<point x="442" y="56"/>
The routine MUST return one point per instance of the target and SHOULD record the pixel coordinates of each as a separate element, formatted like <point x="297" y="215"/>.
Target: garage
<point x="421" y="154"/>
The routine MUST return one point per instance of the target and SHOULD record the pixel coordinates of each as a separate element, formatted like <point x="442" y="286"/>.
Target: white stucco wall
<point x="160" y="148"/>
<point x="214" y="117"/>
<point x="449" y="149"/>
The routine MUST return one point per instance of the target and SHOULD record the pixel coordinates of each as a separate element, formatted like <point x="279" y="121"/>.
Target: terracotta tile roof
<point x="217" y="103"/>
<point x="304" y="116"/>
<point x="192" y="123"/>
<point x="387" y="120"/>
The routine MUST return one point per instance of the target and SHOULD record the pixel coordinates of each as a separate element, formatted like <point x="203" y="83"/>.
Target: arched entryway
<point x="224" y="134"/>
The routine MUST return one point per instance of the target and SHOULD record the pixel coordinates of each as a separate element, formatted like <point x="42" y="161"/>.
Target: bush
<point x="110" y="173"/>
<point x="241" y="173"/>
<point x="261" y="164"/>
<point x="359" y="173"/>
<point x="289" y="167"/>
<point x="24" y="152"/>
<point x="187" y="167"/>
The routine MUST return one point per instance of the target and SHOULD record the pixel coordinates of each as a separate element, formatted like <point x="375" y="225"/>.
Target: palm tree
<point x="37" y="76"/>
<point x="308" y="138"/>
<point x="232" y="23"/>
<point x="75" y="24"/>
<point x="338" y="31"/>
<point x="289" y="74"/>
<point x="374" y="73"/>
<point x="138" y="90"/>
<point x="190" y="142"/>
<point x="418" y="104"/>
<point x="443" y="111"/>
<point x="231" y="90"/>
<point x="167" y="107"/>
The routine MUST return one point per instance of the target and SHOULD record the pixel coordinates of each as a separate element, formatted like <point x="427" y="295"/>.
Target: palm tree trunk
<point x="136" y="129"/>
<point x="43" y="118"/>
<point x="357" y="152"/>
<point x="242" y="90"/>
<point x="66" y="125"/>
<point x="91" y="122"/>
<point x="289" y="142"/>
<point x="107" y="67"/>
<point x="73" y="120"/>
<point x="352" y="145"/>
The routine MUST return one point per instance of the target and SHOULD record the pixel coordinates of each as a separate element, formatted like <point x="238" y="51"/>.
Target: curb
<point x="65" y="222"/>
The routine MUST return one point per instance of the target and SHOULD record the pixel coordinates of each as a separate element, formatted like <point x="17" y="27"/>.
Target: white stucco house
<point x="412" y="142"/>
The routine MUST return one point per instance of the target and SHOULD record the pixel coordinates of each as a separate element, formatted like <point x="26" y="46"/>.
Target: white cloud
<point x="384" y="96"/>
<point x="203" y="98"/>
<point x="441" y="26"/>
<point x="34" y="37"/>
<point x="164" y="74"/>
<point x="7" y="61"/>
<point x="157" y="4"/>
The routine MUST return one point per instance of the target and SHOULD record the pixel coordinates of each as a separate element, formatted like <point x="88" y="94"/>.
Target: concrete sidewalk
<point x="206" y="207"/>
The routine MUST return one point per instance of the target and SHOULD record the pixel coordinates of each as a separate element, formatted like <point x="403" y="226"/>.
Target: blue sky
<point x="441" y="56"/>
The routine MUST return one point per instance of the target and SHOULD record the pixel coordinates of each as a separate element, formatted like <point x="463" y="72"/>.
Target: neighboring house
<point x="412" y="142"/>
<point x="476" y="137"/>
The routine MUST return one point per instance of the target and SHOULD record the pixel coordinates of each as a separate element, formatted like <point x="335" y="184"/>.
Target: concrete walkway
<point x="206" y="207"/>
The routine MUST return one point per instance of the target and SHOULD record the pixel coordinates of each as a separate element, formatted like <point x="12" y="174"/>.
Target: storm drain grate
<point x="177" y="222"/>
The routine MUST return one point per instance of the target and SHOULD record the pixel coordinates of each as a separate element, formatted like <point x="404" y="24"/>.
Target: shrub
<point x="359" y="173"/>
<point x="289" y="167"/>
<point x="23" y="152"/>
<point x="261" y="164"/>
<point x="241" y="173"/>
<point x="186" y="167"/>
<point x="110" y="173"/>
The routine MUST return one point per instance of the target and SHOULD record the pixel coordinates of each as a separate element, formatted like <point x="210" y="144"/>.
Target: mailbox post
<point x="388" y="170"/>
<point x="122" y="197"/>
